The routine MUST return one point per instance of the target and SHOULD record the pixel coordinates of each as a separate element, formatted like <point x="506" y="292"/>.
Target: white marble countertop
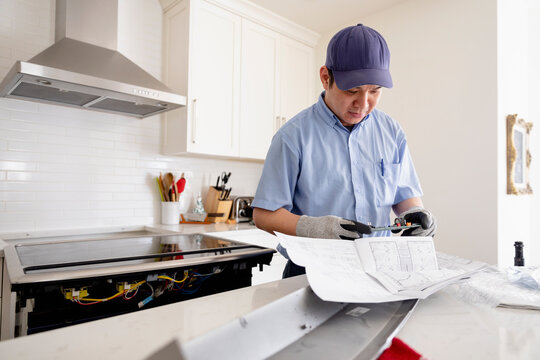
<point x="441" y="327"/>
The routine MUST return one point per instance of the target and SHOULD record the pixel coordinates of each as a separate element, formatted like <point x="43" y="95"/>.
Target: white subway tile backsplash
<point x="16" y="165"/>
<point x="101" y="214"/>
<point x="34" y="127"/>
<point x="99" y="187"/>
<point x="118" y="205"/>
<point x="16" y="196"/>
<point x="47" y="177"/>
<point x="75" y="141"/>
<point x="121" y="145"/>
<point x="143" y="213"/>
<point x="82" y="194"/>
<point x="18" y="135"/>
<point x="49" y="148"/>
<point x="92" y="134"/>
<point x="153" y="164"/>
<point x="72" y="223"/>
<point x="18" y="105"/>
<point x="136" y="195"/>
<point x="56" y="207"/>
<point x="85" y="169"/>
<point x="29" y="187"/>
<point x="118" y="179"/>
<point x="116" y="153"/>
<point x="133" y="220"/>
<point x="95" y="162"/>
<point x="21" y="224"/>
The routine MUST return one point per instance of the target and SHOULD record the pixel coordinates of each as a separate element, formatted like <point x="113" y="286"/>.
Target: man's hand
<point x="330" y="227"/>
<point x="420" y="216"/>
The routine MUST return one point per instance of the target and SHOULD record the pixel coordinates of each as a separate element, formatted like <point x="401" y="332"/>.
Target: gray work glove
<point x="330" y="227"/>
<point x="418" y="215"/>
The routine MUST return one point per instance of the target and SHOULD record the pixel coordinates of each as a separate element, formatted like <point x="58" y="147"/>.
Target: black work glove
<point x="418" y="215"/>
<point x="330" y="227"/>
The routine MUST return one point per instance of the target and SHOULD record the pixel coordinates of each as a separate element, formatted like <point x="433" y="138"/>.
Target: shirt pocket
<point x="387" y="175"/>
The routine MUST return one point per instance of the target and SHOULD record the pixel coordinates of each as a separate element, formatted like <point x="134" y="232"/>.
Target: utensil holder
<point x="217" y="210"/>
<point x="170" y="212"/>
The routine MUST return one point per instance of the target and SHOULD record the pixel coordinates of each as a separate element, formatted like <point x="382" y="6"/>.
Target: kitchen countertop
<point x="441" y="327"/>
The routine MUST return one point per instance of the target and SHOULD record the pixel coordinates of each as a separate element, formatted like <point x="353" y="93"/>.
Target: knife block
<point x="217" y="210"/>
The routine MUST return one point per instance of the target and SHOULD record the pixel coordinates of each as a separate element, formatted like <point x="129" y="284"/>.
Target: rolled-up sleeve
<point x="278" y="179"/>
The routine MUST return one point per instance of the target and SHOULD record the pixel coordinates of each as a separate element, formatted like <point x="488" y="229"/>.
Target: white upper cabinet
<point x="296" y="78"/>
<point x="258" y="90"/>
<point x="214" y="72"/>
<point x="276" y="83"/>
<point x="244" y="70"/>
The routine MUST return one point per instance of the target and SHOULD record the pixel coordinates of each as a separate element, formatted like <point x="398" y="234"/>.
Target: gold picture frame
<point x="518" y="156"/>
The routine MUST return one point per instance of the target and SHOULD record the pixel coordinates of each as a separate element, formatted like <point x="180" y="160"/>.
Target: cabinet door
<point x="258" y="89"/>
<point x="214" y="80"/>
<point x="175" y="75"/>
<point x="296" y="78"/>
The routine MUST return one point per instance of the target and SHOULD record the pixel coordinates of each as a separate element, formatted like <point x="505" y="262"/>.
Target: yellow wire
<point x="135" y="286"/>
<point x="171" y="279"/>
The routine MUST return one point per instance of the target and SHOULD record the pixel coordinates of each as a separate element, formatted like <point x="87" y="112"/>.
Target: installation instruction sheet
<point x="377" y="269"/>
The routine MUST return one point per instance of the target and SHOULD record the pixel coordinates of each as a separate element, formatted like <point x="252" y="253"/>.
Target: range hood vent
<point x="81" y="74"/>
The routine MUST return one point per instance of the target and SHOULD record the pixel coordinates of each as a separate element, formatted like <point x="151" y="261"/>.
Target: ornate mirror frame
<point x="518" y="156"/>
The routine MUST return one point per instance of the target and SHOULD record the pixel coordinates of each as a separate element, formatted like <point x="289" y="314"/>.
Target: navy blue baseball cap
<point x="358" y="55"/>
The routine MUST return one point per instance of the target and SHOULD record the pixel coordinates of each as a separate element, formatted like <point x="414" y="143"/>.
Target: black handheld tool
<point x="399" y="224"/>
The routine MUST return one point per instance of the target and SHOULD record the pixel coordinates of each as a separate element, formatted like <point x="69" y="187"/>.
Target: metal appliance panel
<point x="55" y="259"/>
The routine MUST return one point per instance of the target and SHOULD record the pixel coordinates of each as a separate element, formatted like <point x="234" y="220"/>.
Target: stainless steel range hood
<point x="83" y="69"/>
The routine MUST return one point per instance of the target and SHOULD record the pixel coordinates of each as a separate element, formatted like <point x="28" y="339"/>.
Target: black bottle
<point x="518" y="258"/>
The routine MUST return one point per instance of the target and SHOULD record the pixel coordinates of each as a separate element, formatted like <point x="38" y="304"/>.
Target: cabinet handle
<point x="277" y="124"/>
<point x="193" y="121"/>
<point x="283" y="120"/>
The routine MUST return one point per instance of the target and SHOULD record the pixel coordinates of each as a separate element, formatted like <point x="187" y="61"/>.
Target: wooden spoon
<point x="168" y="180"/>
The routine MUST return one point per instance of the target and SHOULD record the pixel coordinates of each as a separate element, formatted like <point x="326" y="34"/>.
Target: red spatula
<point x="181" y="184"/>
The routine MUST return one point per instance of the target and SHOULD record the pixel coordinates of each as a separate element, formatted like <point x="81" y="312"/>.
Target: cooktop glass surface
<point x="85" y="254"/>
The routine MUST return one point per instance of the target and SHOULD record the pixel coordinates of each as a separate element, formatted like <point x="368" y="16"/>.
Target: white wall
<point x="66" y="168"/>
<point x="444" y="68"/>
<point x="514" y="218"/>
<point x="532" y="249"/>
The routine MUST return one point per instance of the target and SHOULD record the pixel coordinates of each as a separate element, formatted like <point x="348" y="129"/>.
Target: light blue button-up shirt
<point x="315" y="166"/>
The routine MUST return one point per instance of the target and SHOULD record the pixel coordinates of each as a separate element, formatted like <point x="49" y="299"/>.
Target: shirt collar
<point x="330" y="118"/>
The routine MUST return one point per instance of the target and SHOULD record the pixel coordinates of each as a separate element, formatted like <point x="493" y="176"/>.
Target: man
<point x="342" y="158"/>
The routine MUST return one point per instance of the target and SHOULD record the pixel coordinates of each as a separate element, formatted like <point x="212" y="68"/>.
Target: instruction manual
<point x="375" y="269"/>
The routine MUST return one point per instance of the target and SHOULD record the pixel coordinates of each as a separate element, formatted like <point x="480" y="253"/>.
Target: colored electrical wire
<point x="193" y="281"/>
<point x="120" y="293"/>
<point x="218" y="270"/>
<point x="174" y="280"/>
<point x="132" y="296"/>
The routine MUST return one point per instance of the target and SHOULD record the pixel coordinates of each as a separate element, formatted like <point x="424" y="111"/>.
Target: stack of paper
<point x="377" y="269"/>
